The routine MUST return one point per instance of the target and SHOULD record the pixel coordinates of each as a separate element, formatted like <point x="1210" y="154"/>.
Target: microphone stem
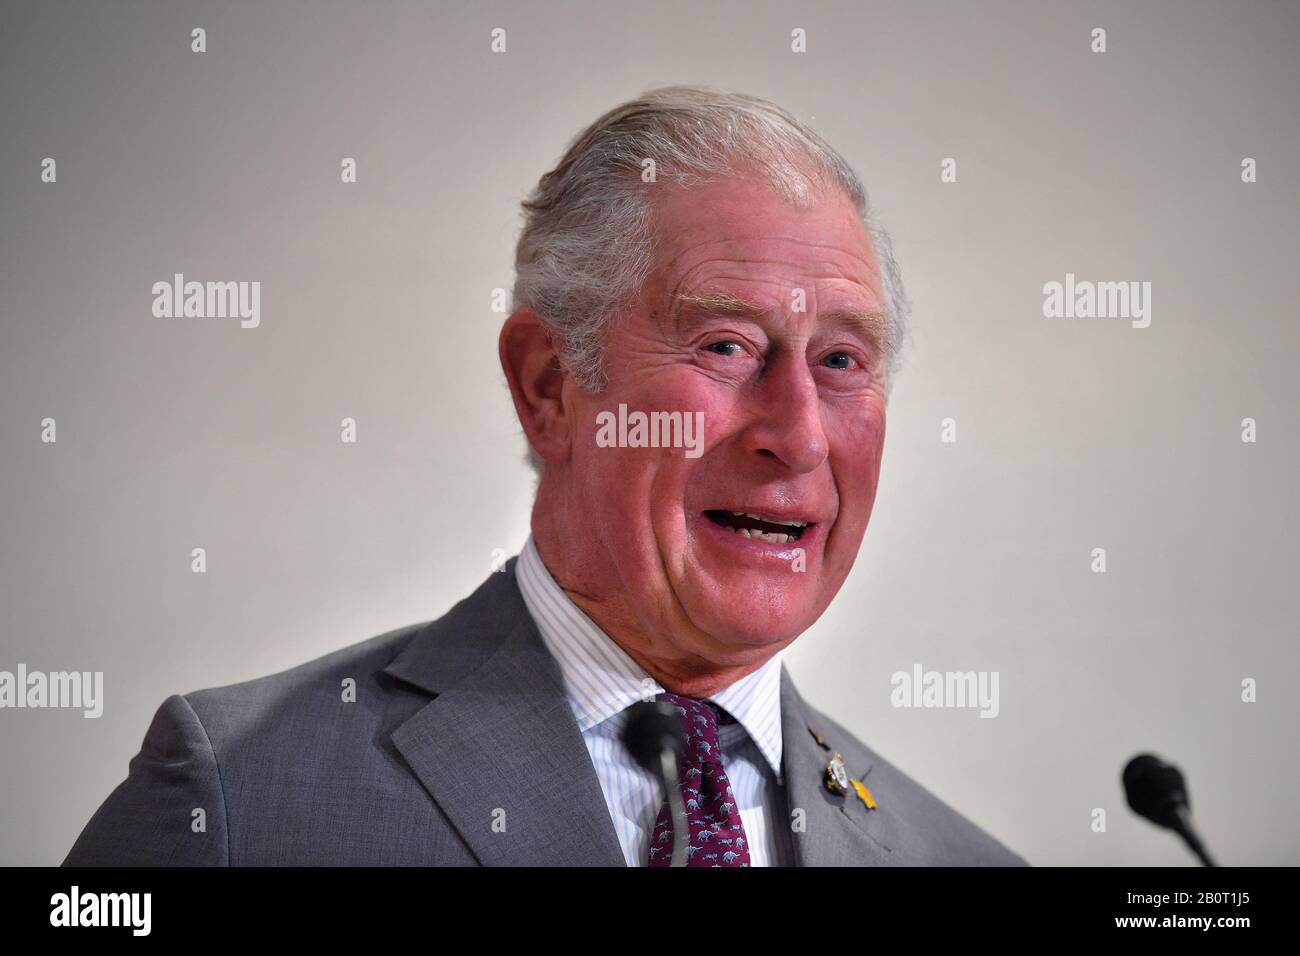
<point x="677" y="806"/>
<point x="1183" y="827"/>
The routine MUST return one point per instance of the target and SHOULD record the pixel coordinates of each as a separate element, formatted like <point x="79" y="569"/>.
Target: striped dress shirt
<point x="602" y="681"/>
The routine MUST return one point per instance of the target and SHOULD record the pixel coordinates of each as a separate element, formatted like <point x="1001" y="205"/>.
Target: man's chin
<point x="755" y="625"/>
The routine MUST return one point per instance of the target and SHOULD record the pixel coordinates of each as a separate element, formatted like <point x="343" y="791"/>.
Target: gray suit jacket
<point x="459" y="749"/>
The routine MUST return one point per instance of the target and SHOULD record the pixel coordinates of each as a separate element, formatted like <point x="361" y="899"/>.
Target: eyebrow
<point x="871" y="325"/>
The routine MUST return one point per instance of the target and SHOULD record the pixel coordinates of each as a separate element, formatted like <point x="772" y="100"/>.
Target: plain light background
<point x="376" y="305"/>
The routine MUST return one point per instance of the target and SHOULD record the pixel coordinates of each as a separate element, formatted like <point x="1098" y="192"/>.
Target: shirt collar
<point x="601" y="680"/>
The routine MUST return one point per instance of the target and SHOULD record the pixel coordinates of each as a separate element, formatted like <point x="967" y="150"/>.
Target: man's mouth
<point x="758" y="527"/>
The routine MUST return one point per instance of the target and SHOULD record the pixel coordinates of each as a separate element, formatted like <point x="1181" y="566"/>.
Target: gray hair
<point x="586" y="247"/>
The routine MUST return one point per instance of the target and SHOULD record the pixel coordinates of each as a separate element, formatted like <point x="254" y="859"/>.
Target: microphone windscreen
<point x="1155" y="789"/>
<point x="652" y="727"/>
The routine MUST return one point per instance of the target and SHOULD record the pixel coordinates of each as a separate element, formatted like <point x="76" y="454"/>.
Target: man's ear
<point x="536" y="376"/>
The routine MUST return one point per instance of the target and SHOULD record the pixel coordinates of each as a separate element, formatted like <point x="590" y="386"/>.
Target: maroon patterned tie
<point x="716" y="835"/>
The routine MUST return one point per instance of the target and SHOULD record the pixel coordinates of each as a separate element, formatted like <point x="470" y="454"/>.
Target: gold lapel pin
<point x="837" y="776"/>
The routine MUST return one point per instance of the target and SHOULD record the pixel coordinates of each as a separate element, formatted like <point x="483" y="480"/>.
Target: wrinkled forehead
<point x="743" y="220"/>
<point x="719" y="243"/>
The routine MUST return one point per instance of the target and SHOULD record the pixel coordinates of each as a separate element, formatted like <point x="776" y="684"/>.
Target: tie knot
<point x="700" y="718"/>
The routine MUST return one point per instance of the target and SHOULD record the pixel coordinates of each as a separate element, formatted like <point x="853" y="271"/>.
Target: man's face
<point x="766" y="319"/>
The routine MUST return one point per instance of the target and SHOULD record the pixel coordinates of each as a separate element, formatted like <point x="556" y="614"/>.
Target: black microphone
<point x="1156" y="790"/>
<point x="655" y="738"/>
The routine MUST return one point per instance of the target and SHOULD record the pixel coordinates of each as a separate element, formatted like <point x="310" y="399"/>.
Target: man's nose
<point x="788" y="417"/>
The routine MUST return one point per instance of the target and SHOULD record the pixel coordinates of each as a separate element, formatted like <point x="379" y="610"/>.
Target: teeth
<point x="750" y="514"/>
<point x="755" y="535"/>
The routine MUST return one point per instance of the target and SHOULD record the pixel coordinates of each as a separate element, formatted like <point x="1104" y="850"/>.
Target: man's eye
<point x="726" y="348"/>
<point x="839" y="360"/>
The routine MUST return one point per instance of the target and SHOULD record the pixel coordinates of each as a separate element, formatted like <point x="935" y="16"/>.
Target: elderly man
<point x="696" y="258"/>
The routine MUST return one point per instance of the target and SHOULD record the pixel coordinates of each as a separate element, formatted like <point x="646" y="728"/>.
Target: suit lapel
<point x="836" y="830"/>
<point x="499" y="749"/>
